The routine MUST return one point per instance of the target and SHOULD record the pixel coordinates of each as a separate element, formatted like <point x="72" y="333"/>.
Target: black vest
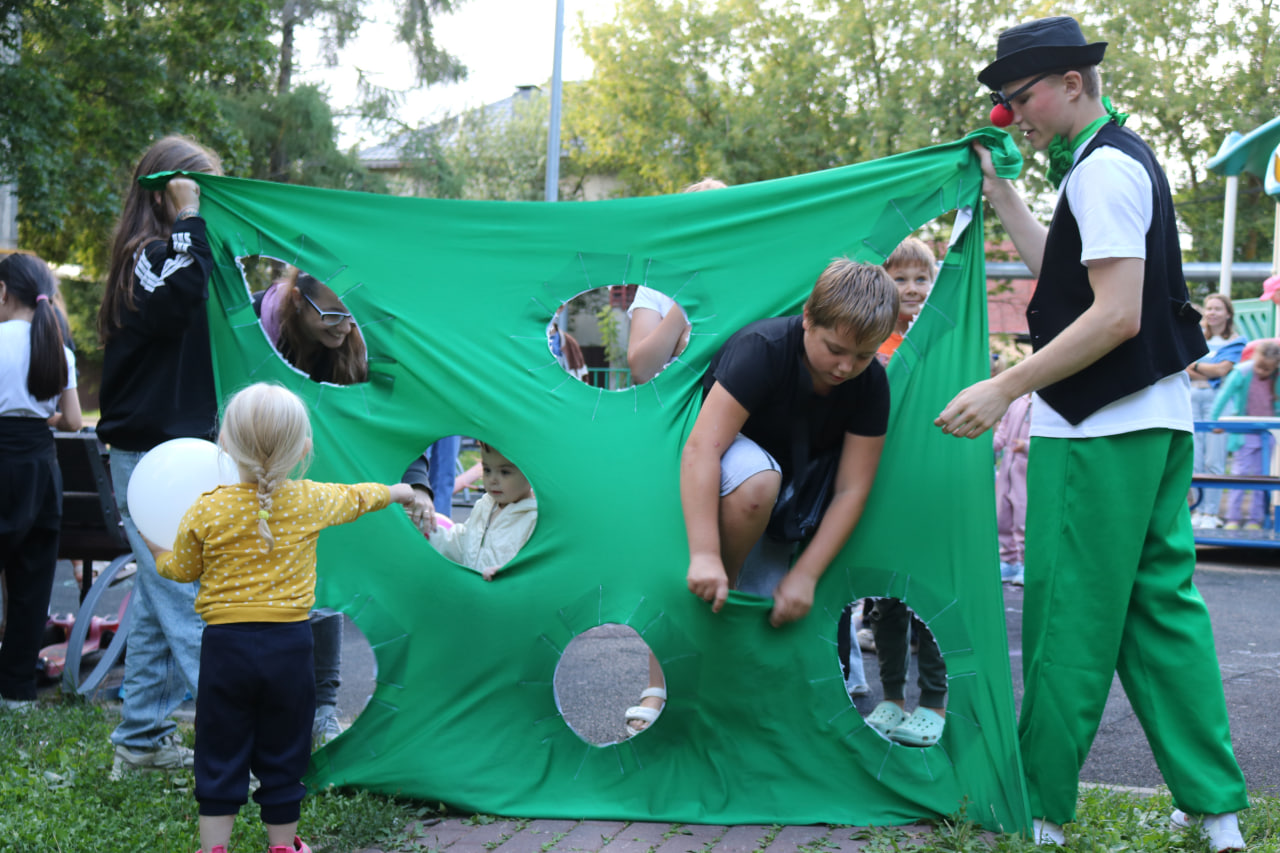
<point x="1170" y="337"/>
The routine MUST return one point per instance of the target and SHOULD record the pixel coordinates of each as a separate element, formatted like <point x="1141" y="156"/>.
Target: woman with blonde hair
<point x="1225" y="351"/>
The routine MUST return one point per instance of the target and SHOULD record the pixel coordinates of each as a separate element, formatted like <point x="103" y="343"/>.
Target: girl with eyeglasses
<point x="312" y="330"/>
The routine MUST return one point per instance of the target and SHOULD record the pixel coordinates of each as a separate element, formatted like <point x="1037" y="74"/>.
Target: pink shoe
<point x="297" y="847"/>
<point x="217" y="849"/>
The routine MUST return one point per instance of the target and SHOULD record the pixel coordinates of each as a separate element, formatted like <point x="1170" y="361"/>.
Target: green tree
<point x="749" y="89"/>
<point x="685" y="89"/>
<point x="1191" y="71"/>
<point x="93" y="83"/>
<point x="497" y="152"/>
<point x="291" y="138"/>
<point x="338" y="21"/>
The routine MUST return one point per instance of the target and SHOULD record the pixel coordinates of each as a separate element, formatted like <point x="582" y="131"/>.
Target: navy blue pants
<point x="254" y="711"/>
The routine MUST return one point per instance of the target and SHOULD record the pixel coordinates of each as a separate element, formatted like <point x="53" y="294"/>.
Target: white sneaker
<point x="17" y="706"/>
<point x="1210" y="521"/>
<point x="1197" y="520"/>
<point x="326" y="726"/>
<point x="168" y="755"/>
<point x="1046" y="833"/>
<point x="1222" y="831"/>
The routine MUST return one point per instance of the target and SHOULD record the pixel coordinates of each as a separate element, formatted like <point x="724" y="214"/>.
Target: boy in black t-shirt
<point x="789" y="400"/>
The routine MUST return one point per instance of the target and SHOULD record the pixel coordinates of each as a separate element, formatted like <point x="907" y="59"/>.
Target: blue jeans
<point x="1210" y="448"/>
<point x="162" y="654"/>
<point x="443" y="455"/>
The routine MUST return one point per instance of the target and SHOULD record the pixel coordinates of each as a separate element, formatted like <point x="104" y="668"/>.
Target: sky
<point x="503" y="43"/>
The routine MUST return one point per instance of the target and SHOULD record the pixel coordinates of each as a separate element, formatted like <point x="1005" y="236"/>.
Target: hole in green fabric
<point x="891" y="653"/>
<point x="601" y="675"/>
<point x="355" y="660"/>
<point x="495" y="516"/>
<point x="620" y="333"/>
<point x="306" y="321"/>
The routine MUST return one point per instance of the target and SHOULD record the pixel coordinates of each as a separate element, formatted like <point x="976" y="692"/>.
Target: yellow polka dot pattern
<point x="218" y="544"/>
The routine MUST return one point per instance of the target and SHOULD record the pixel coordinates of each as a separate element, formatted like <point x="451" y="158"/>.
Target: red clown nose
<point x="1001" y="115"/>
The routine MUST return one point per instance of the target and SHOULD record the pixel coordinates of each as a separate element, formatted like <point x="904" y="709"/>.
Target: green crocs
<point x="886" y="717"/>
<point x="922" y="728"/>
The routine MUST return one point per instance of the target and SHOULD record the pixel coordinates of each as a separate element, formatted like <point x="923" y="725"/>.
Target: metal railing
<point x="1195" y="271"/>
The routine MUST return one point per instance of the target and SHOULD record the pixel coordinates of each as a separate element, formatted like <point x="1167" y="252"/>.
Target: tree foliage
<point x="291" y="138"/>
<point x="753" y="89"/>
<point x="90" y="84"/>
<point x="496" y="152"/>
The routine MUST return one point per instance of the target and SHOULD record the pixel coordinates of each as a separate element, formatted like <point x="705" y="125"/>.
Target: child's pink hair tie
<point x="42" y="297"/>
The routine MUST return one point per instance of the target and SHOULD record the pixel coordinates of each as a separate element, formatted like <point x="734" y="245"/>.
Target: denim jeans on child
<point x="443" y="457"/>
<point x="162" y="660"/>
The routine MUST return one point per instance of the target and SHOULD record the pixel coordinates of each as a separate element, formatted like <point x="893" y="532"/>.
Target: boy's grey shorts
<point x="768" y="561"/>
<point x="743" y="459"/>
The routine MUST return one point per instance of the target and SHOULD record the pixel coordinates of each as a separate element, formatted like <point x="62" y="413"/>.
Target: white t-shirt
<point x="15" y="361"/>
<point x="654" y="300"/>
<point x="1110" y="196"/>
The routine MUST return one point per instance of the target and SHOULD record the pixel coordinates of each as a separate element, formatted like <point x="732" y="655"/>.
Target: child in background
<point x="1013" y="437"/>
<point x="500" y="523"/>
<point x="37" y="379"/>
<point x="1254" y="388"/>
<point x="252" y="546"/>
<point x="912" y="266"/>
<point x="1226" y="348"/>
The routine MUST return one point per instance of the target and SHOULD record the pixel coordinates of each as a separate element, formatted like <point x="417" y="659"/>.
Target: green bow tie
<point x="1062" y="154"/>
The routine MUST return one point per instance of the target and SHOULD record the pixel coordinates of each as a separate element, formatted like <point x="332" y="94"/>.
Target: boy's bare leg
<point x="744" y="514"/>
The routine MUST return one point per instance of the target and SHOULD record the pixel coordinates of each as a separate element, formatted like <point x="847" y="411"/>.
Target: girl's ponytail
<point x="265" y="429"/>
<point x="266" y="489"/>
<point x="29" y="280"/>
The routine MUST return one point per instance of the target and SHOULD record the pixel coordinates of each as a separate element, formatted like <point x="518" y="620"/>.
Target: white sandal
<point x="644" y="713"/>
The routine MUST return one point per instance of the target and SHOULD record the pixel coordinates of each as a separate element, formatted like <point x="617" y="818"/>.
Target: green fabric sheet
<point x="453" y="299"/>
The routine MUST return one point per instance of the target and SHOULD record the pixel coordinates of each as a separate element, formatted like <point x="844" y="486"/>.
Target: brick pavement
<point x="466" y="835"/>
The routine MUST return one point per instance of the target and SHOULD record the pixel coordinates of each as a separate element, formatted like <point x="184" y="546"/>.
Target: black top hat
<point x="1047" y="44"/>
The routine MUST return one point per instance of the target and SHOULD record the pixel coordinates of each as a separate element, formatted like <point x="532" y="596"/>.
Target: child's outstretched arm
<point x="185" y="562"/>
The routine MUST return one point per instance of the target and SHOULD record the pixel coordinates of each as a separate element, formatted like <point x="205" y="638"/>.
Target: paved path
<point x="463" y="835"/>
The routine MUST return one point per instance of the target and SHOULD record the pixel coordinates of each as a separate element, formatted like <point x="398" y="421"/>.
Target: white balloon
<point x="167" y="481"/>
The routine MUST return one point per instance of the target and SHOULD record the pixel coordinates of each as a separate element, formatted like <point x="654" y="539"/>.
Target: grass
<point x="55" y="796"/>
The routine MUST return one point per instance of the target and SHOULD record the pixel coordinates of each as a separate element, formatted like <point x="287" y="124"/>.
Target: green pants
<point x="1110" y="556"/>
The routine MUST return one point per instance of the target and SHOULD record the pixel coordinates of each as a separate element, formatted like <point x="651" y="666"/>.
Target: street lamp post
<point x="553" y="125"/>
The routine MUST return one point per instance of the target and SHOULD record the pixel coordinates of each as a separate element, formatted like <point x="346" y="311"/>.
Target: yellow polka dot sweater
<point x="218" y="543"/>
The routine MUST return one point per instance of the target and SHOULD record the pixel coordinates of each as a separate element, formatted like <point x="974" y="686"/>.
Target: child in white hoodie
<point x="500" y="523"/>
